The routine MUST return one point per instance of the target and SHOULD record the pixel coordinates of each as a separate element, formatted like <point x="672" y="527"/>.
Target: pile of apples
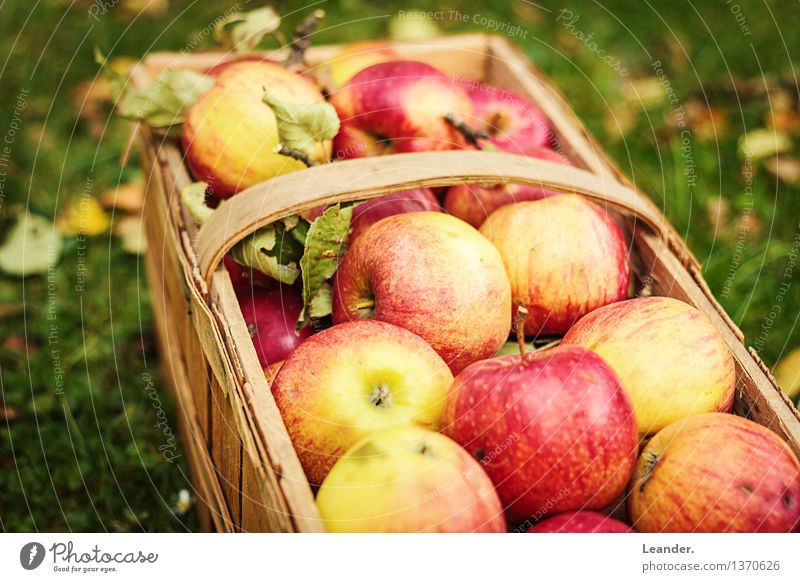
<point x="404" y="416"/>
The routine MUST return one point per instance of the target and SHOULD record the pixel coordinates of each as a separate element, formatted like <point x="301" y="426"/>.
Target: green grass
<point x="88" y="458"/>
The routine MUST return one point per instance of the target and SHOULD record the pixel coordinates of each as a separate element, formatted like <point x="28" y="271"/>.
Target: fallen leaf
<point x="155" y="8"/>
<point x="15" y="343"/>
<point x="83" y="216"/>
<point x="708" y="123"/>
<point x="782" y="115"/>
<point x="647" y="92"/>
<point x="33" y="245"/>
<point x="619" y="121"/>
<point x="414" y="27"/>
<point x="762" y="143"/>
<point x="787" y="373"/>
<point x="9" y="414"/>
<point x="11" y="309"/>
<point x="785" y="169"/>
<point x="128" y="197"/>
<point x="719" y="210"/>
<point x="130" y="230"/>
<point x="90" y="98"/>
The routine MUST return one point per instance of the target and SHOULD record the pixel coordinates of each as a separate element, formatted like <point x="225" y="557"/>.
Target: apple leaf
<point x="301" y="126"/>
<point x="164" y="102"/>
<point x="242" y="31"/>
<point x="33" y="245"/>
<point x="325" y="247"/>
<point x="275" y="250"/>
<point x="193" y="197"/>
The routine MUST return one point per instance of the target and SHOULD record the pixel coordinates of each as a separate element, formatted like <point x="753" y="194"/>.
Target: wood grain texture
<point x="370" y="177"/>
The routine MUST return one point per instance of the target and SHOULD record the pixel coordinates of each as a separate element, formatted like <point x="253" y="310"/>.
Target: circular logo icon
<point x="31" y="555"/>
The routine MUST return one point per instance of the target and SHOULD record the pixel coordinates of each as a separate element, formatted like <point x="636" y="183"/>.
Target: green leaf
<point x="301" y="126"/>
<point x="165" y="102"/>
<point x="325" y="247"/>
<point x="242" y="31"/>
<point x="32" y="246"/>
<point x="274" y="250"/>
<point x="193" y="197"/>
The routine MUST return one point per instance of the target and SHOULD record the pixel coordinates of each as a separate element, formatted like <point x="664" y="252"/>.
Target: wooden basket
<point x="247" y="476"/>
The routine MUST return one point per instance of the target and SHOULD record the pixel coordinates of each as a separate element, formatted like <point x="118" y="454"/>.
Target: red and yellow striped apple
<point x="565" y="257"/>
<point x="431" y="274"/>
<point x="229" y="133"/>
<point x="350" y="380"/>
<point x="580" y="522"/>
<point x="473" y="203"/>
<point x="514" y="124"/>
<point x="409" y="479"/>
<point x="398" y="107"/>
<point x="554" y="429"/>
<point x="670" y="358"/>
<point x="716" y="473"/>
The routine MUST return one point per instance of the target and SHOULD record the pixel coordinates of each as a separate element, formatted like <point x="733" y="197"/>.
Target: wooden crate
<point x="246" y="472"/>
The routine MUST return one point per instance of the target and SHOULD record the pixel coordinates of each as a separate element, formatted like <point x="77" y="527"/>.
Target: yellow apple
<point x="357" y="56"/>
<point x="350" y="380"/>
<point x="229" y="133"/>
<point x="671" y="359"/>
<point x="409" y="479"/>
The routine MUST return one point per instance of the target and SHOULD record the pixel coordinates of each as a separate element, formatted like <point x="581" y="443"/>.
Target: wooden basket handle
<point x="364" y="178"/>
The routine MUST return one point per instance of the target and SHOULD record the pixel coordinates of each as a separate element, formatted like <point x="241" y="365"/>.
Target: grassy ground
<point x="79" y="448"/>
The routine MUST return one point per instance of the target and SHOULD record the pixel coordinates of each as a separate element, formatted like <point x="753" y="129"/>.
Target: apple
<point x="368" y="213"/>
<point x="358" y="56"/>
<point x="473" y="203"/>
<point x="270" y="314"/>
<point x="565" y="257"/>
<point x="580" y="522"/>
<point x="408" y="479"/>
<point x="398" y="107"/>
<point x="431" y="274"/>
<point x="553" y="429"/>
<point x="217" y="69"/>
<point x="670" y="358"/>
<point x="351" y="380"/>
<point x="514" y="124"/>
<point x="229" y="133"/>
<point x="716" y="473"/>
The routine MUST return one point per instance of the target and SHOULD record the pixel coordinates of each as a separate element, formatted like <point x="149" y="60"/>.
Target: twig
<point x="471" y="135"/>
<point x="294" y="154"/>
<point x="301" y="39"/>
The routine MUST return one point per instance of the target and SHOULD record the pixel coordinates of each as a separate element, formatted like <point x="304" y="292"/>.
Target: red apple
<point x="352" y="380"/>
<point x="515" y="124"/>
<point x="565" y="257"/>
<point x="409" y="479"/>
<point x="580" y="522"/>
<point x="230" y="133"/>
<point x="554" y="429"/>
<point x="271" y="314"/>
<point x="473" y="203"/>
<point x="432" y="274"/>
<point x="368" y="213"/>
<point x="670" y="358"/>
<point x="716" y="473"/>
<point x="396" y="107"/>
<point x="219" y="68"/>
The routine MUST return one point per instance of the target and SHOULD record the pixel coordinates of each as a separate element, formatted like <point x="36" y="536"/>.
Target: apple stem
<point x="519" y="326"/>
<point x="301" y="39"/>
<point x="470" y="134"/>
<point x="294" y="154"/>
